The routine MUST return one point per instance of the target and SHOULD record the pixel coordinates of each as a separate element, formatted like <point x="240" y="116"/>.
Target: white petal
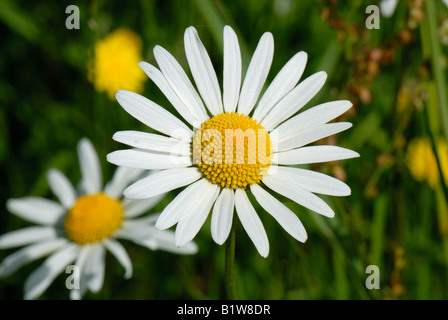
<point x="165" y="240"/>
<point x="91" y="176"/>
<point x="25" y="236"/>
<point x="61" y="187"/>
<point x="290" y="189"/>
<point x="29" y="253"/>
<point x="232" y="70"/>
<point x="134" y="208"/>
<point x="159" y="79"/>
<point x="80" y="262"/>
<point x="282" y="84"/>
<point x="152" y="115"/>
<point x="309" y="135"/>
<point x="43" y="276"/>
<point x="37" y="210"/>
<point x="176" y="208"/>
<point x="314" y="154"/>
<point x="314" y="116"/>
<point x="387" y="7"/>
<point x="153" y="142"/>
<point x="313" y="181"/>
<point x="161" y="182"/>
<point x="294" y="100"/>
<point x="179" y="82"/>
<point x="195" y="214"/>
<point x="222" y="216"/>
<point x="94" y="267"/>
<point x="251" y="222"/>
<point x="122" y="177"/>
<point x="202" y="70"/>
<point x="284" y="216"/>
<point x="140" y="159"/>
<point x="257" y="73"/>
<point x="122" y="256"/>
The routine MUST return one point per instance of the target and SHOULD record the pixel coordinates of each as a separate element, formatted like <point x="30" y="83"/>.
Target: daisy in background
<point x="217" y="171"/>
<point x="81" y="227"/>
<point x="114" y="63"/>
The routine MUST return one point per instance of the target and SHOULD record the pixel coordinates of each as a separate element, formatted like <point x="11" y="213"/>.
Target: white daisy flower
<point x="80" y="228"/>
<point x="236" y="143"/>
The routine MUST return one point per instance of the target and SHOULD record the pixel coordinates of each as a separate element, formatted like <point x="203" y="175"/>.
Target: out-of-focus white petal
<point x="43" y="276"/>
<point x="61" y="187"/>
<point x="36" y="209"/>
<point x="122" y="177"/>
<point x="91" y="176"/>
<point x="26" y="235"/>
<point x="122" y="256"/>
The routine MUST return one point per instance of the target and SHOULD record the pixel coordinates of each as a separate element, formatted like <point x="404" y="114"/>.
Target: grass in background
<point x="395" y="76"/>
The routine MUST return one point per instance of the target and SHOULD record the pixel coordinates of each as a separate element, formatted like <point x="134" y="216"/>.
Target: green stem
<point x="230" y="265"/>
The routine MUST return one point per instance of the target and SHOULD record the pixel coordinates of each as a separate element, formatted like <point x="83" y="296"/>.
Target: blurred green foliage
<point x="390" y="220"/>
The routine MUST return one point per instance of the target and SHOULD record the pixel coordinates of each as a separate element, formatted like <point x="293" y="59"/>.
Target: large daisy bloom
<point x="232" y="143"/>
<point x="81" y="227"/>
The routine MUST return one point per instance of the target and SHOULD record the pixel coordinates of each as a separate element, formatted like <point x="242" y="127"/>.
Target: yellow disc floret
<point x="93" y="218"/>
<point x="232" y="150"/>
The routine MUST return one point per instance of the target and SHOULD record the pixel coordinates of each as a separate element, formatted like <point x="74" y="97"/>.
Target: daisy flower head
<point x="81" y="227"/>
<point x="114" y="66"/>
<point x="233" y="142"/>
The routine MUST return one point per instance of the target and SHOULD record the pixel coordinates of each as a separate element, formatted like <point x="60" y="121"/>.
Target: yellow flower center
<point x="93" y="218"/>
<point x="232" y="150"/>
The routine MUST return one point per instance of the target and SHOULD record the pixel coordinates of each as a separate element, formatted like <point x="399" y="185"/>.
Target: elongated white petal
<point x="313" y="181"/>
<point x="25" y="236"/>
<point x="251" y="222"/>
<point x="196" y="214"/>
<point x="309" y="135"/>
<point x="159" y="79"/>
<point x="94" y="267"/>
<point x="290" y="189"/>
<point x="29" y="253"/>
<point x="141" y="159"/>
<point x="294" y="100"/>
<point x="152" y="115"/>
<point x="284" y="216"/>
<point x="176" y="208"/>
<point x="222" y="215"/>
<point x="314" y="116"/>
<point x="179" y="82"/>
<point x="134" y="208"/>
<point x="257" y="73"/>
<point x="122" y="177"/>
<point x="314" y="154"/>
<point x="122" y="256"/>
<point x="161" y="182"/>
<point x="161" y="240"/>
<point x="91" y="176"/>
<point x="79" y="274"/>
<point x="37" y="210"/>
<point x="202" y="70"/>
<point x="43" y="276"/>
<point x="61" y="187"/>
<point x="232" y="70"/>
<point x="152" y="142"/>
<point x="282" y="84"/>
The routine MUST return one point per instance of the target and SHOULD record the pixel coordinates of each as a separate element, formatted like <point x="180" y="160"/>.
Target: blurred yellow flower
<point x="114" y="64"/>
<point x="422" y="162"/>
